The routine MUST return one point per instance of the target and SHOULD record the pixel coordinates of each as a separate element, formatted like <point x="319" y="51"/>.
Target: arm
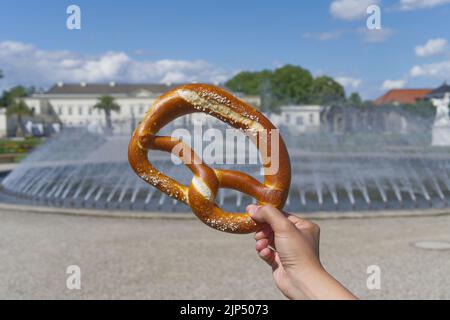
<point x="290" y="245"/>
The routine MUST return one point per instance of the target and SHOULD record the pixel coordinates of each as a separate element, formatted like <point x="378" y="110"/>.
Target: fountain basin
<point x="78" y="169"/>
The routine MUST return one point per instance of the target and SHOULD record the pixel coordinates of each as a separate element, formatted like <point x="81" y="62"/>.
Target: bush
<point x="18" y="146"/>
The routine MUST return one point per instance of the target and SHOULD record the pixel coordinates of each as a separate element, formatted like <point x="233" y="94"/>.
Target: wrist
<point x="316" y="283"/>
<point x="307" y="280"/>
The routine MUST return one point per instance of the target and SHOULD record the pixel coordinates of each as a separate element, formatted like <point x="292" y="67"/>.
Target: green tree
<point x="291" y="84"/>
<point x="325" y="89"/>
<point x="14" y="93"/>
<point x="19" y="109"/>
<point x="355" y="100"/>
<point x="288" y="85"/>
<point x="108" y="105"/>
<point x="248" y="82"/>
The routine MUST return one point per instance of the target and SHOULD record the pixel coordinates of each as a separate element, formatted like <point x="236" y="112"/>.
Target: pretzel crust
<point x="202" y="190"/>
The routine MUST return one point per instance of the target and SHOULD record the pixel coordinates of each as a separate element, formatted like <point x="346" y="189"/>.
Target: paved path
<point x="167" y="259"/>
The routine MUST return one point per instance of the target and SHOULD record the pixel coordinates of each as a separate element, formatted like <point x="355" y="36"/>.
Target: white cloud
<point x="350" y="9"/>
<point x="348" y="82"/>
<point x="323" y="36"/>
<point x="432" y="47"/>
<point x="376" y="35"/>
<point x="438" y="70"/>
<point x="25" y="64"/>
<point x="393" y="84"/>
<point x="421" y="4"/>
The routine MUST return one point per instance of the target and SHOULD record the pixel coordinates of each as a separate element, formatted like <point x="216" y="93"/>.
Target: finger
<point x="294" y="219"/>
<point x="268" y="256"/>
<point x="265" y="232"/>
<point x="270" y="238"/>
<point x="261" y="244"/>
<point x="301" y="224"/>
<point x="252" y="208"/>
<point x="272" y="216"/>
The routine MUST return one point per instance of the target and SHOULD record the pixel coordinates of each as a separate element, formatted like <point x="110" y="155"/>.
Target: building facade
<point x="300" y="118"/>
<point x="73" y="104"/>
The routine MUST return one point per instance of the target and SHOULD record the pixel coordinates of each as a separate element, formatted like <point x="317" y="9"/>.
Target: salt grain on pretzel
<point x="202" y="191"/>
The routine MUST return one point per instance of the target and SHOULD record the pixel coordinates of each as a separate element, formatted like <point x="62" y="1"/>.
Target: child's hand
<point x="296" y="267"/>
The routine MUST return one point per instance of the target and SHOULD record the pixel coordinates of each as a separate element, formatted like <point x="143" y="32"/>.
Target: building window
<point x="288" y="118"/>
<point x="311" y="118"/>
<point x="141" y="109"/>
<point x="89" y="111"/>
<point x="59" y="110"/>
<point x="132" y="108"/>
<point x="299" y="120"/>
<point x="80" y="110"/>
<point x="69" y="111"/>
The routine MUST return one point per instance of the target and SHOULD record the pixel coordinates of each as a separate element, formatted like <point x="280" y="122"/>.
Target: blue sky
<point x="173" y="41"/>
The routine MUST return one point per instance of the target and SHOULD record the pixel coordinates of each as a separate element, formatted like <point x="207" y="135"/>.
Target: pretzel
<point x="202" y="191"/>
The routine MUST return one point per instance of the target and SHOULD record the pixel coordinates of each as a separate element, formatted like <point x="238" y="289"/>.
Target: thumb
<point x="272" y="216"/>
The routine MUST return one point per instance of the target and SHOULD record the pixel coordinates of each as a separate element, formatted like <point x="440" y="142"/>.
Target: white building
<point x="301" y="119"/>
<point x="73" y="103"/>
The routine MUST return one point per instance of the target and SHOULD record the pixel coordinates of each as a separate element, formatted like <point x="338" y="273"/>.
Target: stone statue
<point x="442" y="117"/>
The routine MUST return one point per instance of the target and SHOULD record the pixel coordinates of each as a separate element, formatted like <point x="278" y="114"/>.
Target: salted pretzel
<point x="202" y="191"/>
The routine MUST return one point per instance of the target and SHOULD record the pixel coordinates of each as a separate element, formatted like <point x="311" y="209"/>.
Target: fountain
<point x="368" y="170"/>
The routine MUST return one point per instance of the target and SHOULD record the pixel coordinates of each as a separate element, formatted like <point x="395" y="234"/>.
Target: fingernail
<point x="265" y="252"/>
<point x="251" y="209"/>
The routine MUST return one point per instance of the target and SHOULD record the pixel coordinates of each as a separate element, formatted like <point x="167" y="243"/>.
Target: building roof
<point x="402" y="96"/>
<point x="108" y="88"/>
<point x="439" y="92"/>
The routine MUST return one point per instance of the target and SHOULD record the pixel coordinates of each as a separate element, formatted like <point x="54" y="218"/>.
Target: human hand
<point x="290" y="245"/>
